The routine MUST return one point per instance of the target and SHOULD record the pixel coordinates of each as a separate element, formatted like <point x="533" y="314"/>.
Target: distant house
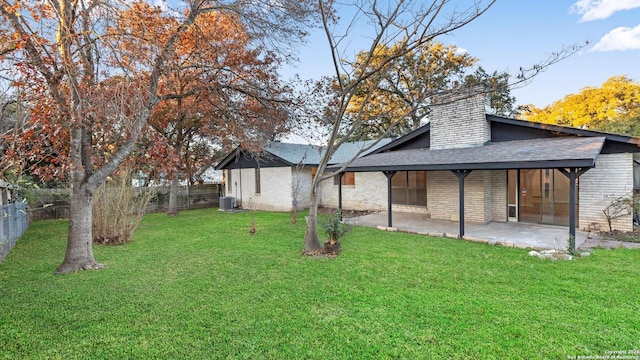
<point x="270" y="179"/>
<point x="509" y="170"/>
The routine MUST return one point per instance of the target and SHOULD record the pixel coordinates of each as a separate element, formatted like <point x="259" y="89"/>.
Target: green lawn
<point x="200" y="286"/>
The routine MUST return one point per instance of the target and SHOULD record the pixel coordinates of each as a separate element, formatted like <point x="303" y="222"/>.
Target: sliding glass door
<point x="538" y="196"/>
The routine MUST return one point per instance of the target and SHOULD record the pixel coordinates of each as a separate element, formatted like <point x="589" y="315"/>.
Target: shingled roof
<point x="521" y="154"/>
<point x="305" y="154"/>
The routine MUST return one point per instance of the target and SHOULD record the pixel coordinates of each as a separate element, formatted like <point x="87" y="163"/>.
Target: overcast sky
<point x="519" y="33"/>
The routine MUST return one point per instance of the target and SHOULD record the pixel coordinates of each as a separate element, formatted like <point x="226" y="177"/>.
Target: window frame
<point x="348" y="179"/>
<point x="407" y="189"/>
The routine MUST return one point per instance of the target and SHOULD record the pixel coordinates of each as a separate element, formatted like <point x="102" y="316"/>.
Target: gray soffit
<point x="521" y="154"/>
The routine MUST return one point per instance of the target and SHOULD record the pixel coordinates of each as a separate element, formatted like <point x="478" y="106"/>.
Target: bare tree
<point x="297" y="184"/>
<point x="400" y="26"/>
<point x="619" y="207"/>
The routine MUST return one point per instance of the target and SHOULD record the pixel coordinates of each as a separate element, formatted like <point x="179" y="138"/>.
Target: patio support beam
<point x="461" y="174"/>
<point x="340" y="175"/>
<point x="573" y="174"/>
<point x="389" y="174"/>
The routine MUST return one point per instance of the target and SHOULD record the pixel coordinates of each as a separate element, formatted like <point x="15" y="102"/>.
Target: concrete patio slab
<point x="512" y="234"/>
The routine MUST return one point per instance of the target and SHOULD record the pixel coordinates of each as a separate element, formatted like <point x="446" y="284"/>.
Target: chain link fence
<point x="15" y="220"/>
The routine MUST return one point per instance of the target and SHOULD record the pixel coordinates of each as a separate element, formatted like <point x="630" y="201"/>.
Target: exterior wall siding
<point x="443" y="196"/>
<point x="499" y="195"/>
<point x="301" y="180"/>
<point x="368" y="193"/>
<point x="275" y="189"/>
<point x="411" y="209"/>
<point x="611" y="178"/>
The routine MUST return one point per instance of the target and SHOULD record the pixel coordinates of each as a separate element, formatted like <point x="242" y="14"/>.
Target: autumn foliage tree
<point x="615" y="107"/>
<point x="70" y="57"/>
<point x="401" y="93"/>
<point x="242" y="102"/>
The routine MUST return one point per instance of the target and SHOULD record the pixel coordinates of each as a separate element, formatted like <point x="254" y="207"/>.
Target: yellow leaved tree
<point x="613" y="107"/>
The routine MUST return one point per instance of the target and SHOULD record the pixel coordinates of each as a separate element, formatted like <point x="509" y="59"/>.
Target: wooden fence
<point x="54" y="203"/>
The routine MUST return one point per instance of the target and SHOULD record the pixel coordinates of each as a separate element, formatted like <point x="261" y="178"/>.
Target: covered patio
<point x="522" y="235"/>
<point x="572" y="156"/>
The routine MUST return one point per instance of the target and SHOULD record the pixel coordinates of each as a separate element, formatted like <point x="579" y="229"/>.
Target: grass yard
<point x="200" y="286"/>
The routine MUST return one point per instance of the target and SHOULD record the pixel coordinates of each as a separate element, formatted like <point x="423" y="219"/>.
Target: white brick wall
<point x="368" y="193"/>
<point x="301" y="178"/>
<point x="612" y="177"/>
<point x="462" y="123"/>
<point x="275" y="188"/>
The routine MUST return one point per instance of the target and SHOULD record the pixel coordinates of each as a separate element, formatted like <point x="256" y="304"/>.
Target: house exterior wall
<point x="611" y="178"/>
<point x="443" y="196"/>
<point x="275" y="189"/>
<point x="368" y="193"/>
<point x="459" y="123"/>
<point x="301" y="181"/>
<point x="499" y="195"/>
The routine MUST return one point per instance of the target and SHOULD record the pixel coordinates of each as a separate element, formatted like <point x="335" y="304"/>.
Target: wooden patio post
<point x="389" y="174"/>
<point x="461" y="174"/>
<point x="573" y="174"/>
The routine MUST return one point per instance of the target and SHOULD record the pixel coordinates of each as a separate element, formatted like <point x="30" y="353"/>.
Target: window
<point x="348" y="178"/>
<point x="229" y="182"/>
<point x="409" y="188"/>
<point x="257" y="173"/>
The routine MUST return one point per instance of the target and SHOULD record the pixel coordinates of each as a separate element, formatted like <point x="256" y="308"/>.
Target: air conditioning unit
<point x="226" y="203"/>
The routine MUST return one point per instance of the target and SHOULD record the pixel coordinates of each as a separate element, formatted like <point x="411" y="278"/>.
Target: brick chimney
<point x="459" y="119"/>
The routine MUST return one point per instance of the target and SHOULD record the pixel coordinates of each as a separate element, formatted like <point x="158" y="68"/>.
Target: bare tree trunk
<point x="173" y="196"/>
<point x="294" y="212"/>
<point x="79" y="255"/>
<point x="311" y="240"/>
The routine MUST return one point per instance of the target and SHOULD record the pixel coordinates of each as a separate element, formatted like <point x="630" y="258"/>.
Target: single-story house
<point x="507" y="169"/>
<point x="281" y="173"/>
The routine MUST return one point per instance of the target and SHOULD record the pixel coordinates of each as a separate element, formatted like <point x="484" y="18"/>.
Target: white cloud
<point x="602" y="9"/>
<point x="621" y="38"/>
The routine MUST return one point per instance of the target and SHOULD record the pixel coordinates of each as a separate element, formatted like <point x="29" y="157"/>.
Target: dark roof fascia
<point x="403" y="139"/>
<point x="547" y="164"/>
<point x="238" y="152"/>
<point x="227" y="159"/>
<point x="565" y="129"/>
<point x="517" y="122"/>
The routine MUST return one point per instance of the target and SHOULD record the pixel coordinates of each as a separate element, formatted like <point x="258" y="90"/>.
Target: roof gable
<point x="509" y="129"/>
<point x="279" y="154"/>
<point x="416" y="139"/>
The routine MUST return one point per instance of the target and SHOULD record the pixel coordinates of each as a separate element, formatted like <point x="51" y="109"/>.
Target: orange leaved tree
<point x="240" y="101"/>
<point x="88" y="68"/>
